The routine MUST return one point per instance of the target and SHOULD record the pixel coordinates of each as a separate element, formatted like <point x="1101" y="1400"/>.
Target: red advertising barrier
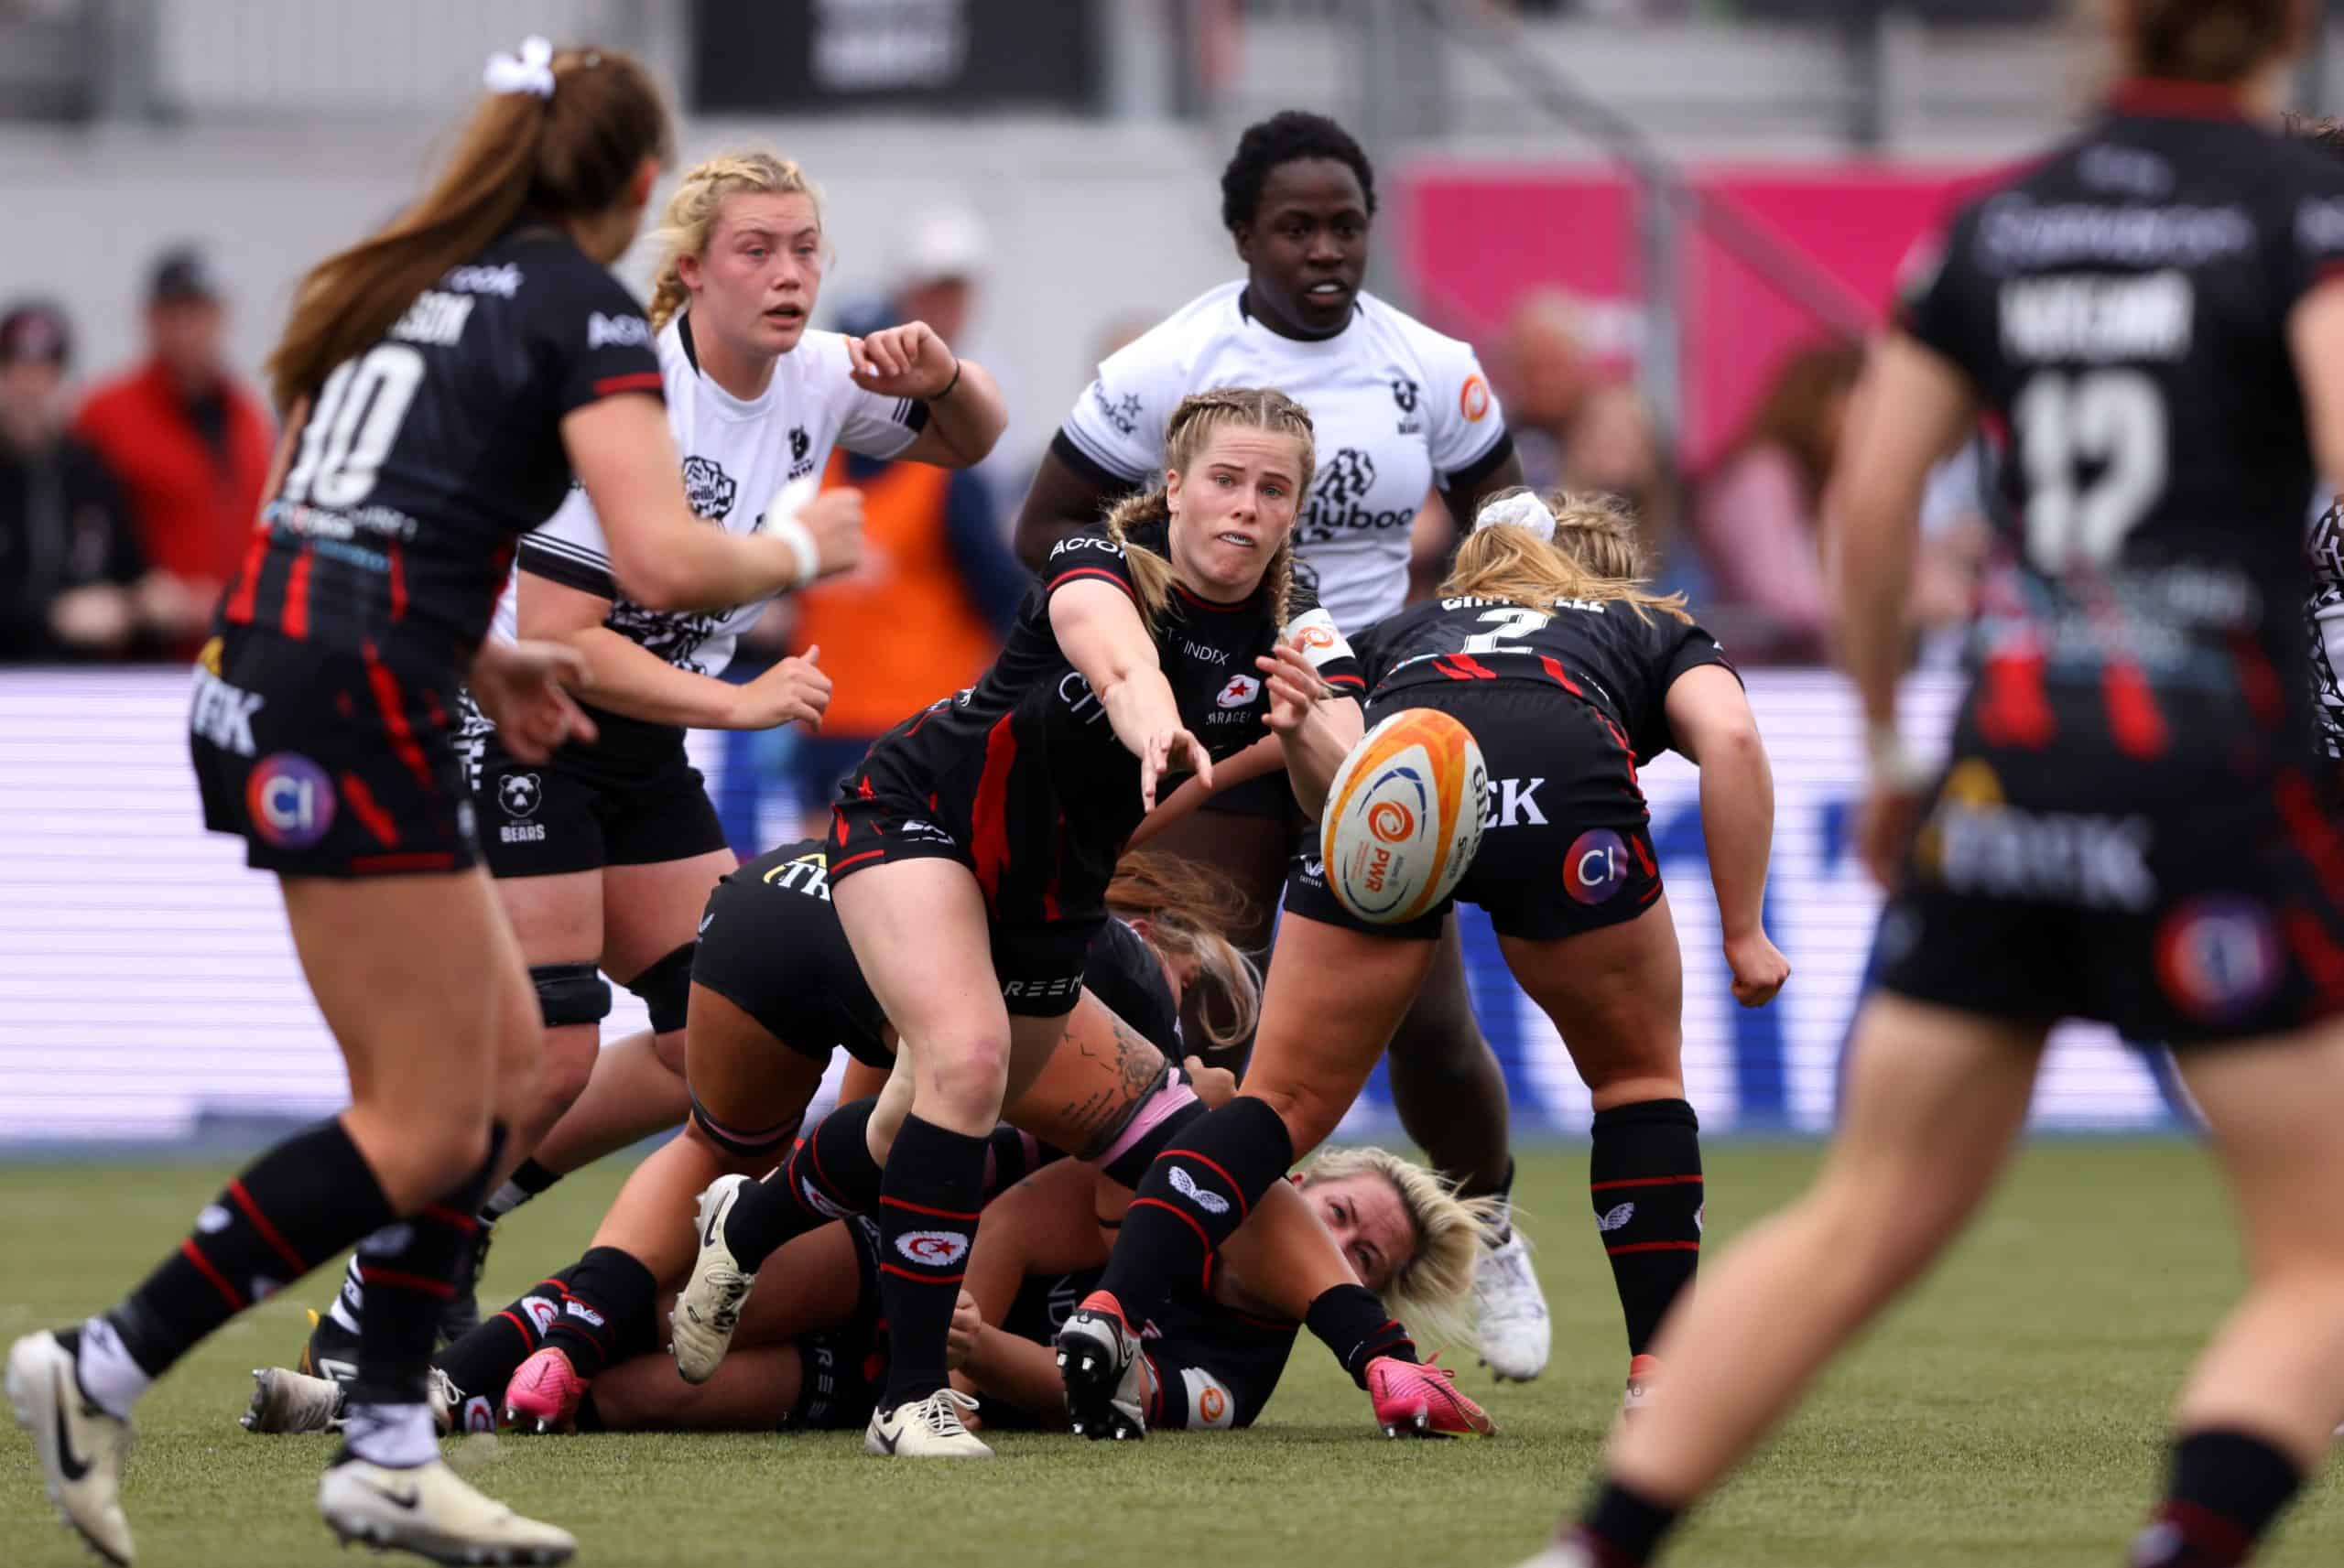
<point x="1479" y="238"/>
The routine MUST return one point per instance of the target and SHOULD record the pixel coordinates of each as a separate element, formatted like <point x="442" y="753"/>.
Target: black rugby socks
<point x="606" y="1310"/>
<point x="1194" y="1194"/>
<point x="2227" y="1488"/>
<point x="928" y="1224"/>
<point x="528" y="1181"/>
<point x="293" y="1208"/>
<point x="1623" y="1528"/>
<point x="409" y="1269"/>
<point x="484" y="1360"/>
<point x="830" y="1174"/>
<point x="1645" y="1181"/>
<point x="1350" y="1322"/>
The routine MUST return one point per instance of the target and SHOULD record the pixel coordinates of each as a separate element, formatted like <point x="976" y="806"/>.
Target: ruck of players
<point x="1008" y="1099"/>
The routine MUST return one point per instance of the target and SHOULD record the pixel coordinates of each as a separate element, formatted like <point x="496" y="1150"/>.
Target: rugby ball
<point x="1403" y="818"/>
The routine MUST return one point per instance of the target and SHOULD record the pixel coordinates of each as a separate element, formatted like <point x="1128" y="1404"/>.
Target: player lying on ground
<point x="1568" y="674"/>
<point x="2142" y="699"/>
<point x="810" y="1349"/>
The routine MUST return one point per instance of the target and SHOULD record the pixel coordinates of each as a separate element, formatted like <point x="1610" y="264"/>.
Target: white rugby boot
<point x="80" y="1447"/>
<point x="1106" y="1389"/>
<point x="433" y="1513"/>
<point x="926" y="1429"/>
<point x="286" y="1401"/>
<point x="707" y="1309"/>
<point x="1515" y="1333"/>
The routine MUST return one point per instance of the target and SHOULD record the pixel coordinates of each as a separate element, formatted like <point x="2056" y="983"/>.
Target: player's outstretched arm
<point x="1100" y="631"/>
<point x="966" y="413"/>
<point x="1709" y="715"/>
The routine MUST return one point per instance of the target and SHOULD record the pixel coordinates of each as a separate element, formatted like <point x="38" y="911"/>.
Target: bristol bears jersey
<point x="422" y="459"/>
<point x="1601" y="650"/>
<point x="2323" y="623"/>
<point x="1025" y="763"/>
<point x="737" y="456"/>
<point x="2122" y="310"/>
<point x="1398" y="410"/>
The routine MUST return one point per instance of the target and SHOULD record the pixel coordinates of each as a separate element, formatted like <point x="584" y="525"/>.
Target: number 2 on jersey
<point x="2114" y="417"/>
<point x="1515" y="622"/>
<point x="349" y="432"/>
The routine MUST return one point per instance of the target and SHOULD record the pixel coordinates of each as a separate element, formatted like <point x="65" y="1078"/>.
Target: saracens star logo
<point x="933" y="1249"/>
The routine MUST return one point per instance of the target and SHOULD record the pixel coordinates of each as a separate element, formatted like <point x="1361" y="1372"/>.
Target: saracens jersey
<point x="1398" y="410"/>
<point x="424" y="458"/>
<point x="2122" y="309"/>
<point x="1024" y="764"/>
<point x="737" y="458"/>
<point x="1601" y="649"/>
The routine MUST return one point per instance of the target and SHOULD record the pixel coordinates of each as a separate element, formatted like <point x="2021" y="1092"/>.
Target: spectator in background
<point x="938" y="586"/>
<point x="68" y="564"/>
<point x="1545" y="372"/>
<point x="189" y="443"/>
<point x="1614" y="449"/>
<point x="1758" y="513"/>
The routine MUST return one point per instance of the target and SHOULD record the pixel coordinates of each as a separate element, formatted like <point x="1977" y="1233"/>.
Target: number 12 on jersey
<point x="2112" y="418"/>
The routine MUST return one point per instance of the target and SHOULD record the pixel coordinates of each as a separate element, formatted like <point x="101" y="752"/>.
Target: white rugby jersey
<point x="736" y="456"/>
<point x="1398" y="409"/>
<point x="2324" y="619"/>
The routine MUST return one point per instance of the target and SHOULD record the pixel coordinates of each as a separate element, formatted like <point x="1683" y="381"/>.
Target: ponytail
<point x="566" y="153"/>
<point x="1188" y="909"/>
<point x="1593" y="556"/>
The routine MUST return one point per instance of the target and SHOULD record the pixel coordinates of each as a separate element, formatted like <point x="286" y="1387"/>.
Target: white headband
<point x="1525" y="512"/>
<point x="531" y="71"/>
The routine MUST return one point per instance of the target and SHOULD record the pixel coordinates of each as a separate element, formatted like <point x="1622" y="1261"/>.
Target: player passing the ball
<point x="1568" y="674"/>
<point x="441" y="382"/>
<point x="2155" y="312"/>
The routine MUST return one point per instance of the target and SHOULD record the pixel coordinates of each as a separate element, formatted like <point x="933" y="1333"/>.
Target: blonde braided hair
<point x="692" y="211"/>
<point x="1594" y="555"/>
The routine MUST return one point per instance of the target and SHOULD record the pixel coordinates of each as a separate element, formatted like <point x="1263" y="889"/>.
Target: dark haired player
<point x="1401" y="412"/>
<point x="2131" y="828"/>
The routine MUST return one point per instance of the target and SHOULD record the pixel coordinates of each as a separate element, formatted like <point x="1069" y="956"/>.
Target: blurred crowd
<point x="124" y="508"/>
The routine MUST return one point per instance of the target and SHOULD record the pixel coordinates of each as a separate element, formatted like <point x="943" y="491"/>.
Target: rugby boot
<point x="1644" y="1384"/>
<point x="707" y="1309"/>
<point x="80" y="1446"/>
<point x="1413" y="1400"/>
<point x="433" y="1513"/>
<point x="1106" y="1397"/>
<point x="1515" y="1332"/>
<point x="544" y="1393"/>
<point x="926" y="1429"/>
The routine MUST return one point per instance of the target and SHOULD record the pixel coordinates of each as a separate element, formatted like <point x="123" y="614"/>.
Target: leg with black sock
<point x="830" y="1174"/>
<point x="1623" y="1528"/>
<point x="484" y="1360"/>
<point x="410" y="1271"/>
<point x="2226" y="1487"/>
<point x="1195" y="1193"/>
<point x="1644" y="1182"/>
<point x="528" y="1180"/>
<point x="928" y="1202"/>
<point x="604" y="1315"/>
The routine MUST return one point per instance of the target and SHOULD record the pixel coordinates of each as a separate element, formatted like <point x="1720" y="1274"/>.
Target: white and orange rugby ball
<point x="1403" y="818"/>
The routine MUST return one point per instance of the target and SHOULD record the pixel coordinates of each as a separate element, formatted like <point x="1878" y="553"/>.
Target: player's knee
<point x="751" y="1149"/>
<point x="563" y="1069"/>
<point x="569" y="994"/>
<point x="665" y="987"/>
<point x="965" y="1073"/>
<point x="432" y="1158"/>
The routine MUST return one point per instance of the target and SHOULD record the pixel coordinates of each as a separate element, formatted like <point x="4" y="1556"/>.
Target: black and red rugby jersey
<point x="1027" y="753"/>
<point x="425" y="459"/>
<point x="2121" y="310"/>
<point x="1602" y="651"/>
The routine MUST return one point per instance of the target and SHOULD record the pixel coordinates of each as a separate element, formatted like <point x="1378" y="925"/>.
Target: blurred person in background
<point x="1548" y="375"/>
<point x="1758" y="515"/>
<point x="1615" y="450"/>
<point x="936" y="552"/>
<point x="68" y="564"/>
<point x="189" y="441"/>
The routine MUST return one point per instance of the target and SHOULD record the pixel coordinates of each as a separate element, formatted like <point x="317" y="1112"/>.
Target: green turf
<point x="2010" y="1414"/>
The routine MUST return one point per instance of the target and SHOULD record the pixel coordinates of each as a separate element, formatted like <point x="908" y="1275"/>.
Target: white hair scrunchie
<point x="529" y="71"/>
<point x="1524" y="511"/>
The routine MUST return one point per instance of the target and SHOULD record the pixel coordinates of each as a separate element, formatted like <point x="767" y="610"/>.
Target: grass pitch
<point x="2012" y="1414"/>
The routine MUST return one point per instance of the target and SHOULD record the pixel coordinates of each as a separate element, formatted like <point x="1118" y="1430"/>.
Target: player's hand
<point x="1759" y="968"/>
<point x="909" y="361"/>
<point x="1294" y="687"/>
<point x="793" y="691"/>
<point x="835" y="520"/>
<point x="1169" y="750"/>
<point x="960" y="1337"/>
<point x="1214" y="1085"/>
<point x="1885" y="824"/>
<point x="523" y="687"/>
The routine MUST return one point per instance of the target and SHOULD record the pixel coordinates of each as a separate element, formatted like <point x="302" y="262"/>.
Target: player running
<point x="1545" y="644"/>
<point x="2132" y="826"/>
<point x="811" y="1348"/>
<point x="1401" y="412"/>
<point x="605" y="856"/>
<point x="442" y="381"/>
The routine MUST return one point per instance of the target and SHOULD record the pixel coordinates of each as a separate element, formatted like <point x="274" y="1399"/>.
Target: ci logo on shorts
<point x="519" y="793"/>
<point x="933" y="1249"/>
<point x="1597" y="867"/>
<point x="289" y="799"/>
<point x="2218" y="957"/>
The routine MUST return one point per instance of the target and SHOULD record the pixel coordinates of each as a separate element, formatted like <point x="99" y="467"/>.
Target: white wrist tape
<point x="794" y="533"/>
<point x="1893" y="763"/>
